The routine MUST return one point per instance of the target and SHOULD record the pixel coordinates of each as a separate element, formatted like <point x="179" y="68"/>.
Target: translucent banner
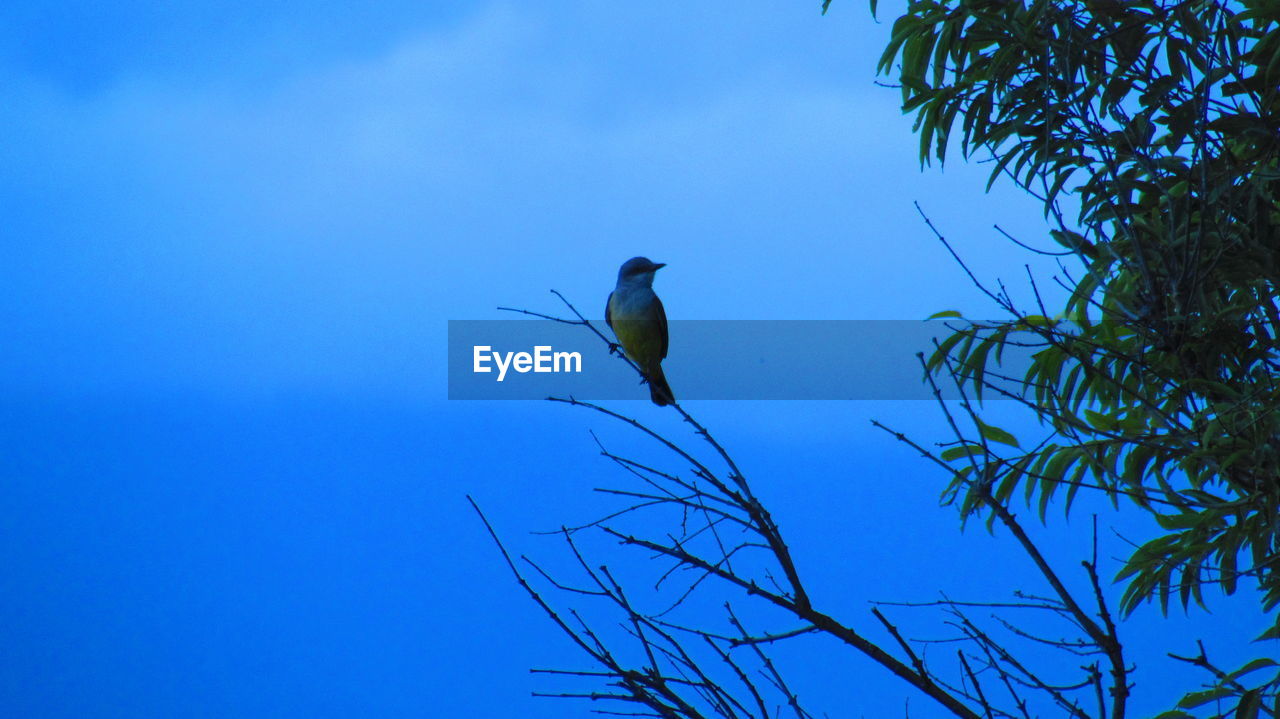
<point x="706" y="359"/>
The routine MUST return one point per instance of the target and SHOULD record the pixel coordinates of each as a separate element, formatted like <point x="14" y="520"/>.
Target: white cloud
<point x="321" y="224"/>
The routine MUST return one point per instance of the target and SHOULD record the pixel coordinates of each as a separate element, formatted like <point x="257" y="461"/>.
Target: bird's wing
<point x="608" y="314"/>
<point x="661" y="316"/>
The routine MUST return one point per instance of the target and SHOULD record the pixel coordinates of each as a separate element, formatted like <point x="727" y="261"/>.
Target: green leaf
<point x="1195" y="699"/>
<point x="1037" y="321"/>
<point x="1010" y="480"/>
<point x="1227" y="564"/>
<point x="1250" y="703"/>
<point x="1101" y="421"/>
<point x="964" y="450"/>
<point x="1273" y="632"/>
<point x="995" y="434"/>
<point x="1253" y="666"/>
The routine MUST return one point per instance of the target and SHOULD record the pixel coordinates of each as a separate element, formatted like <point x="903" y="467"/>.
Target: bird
<point x="636" y="316"/>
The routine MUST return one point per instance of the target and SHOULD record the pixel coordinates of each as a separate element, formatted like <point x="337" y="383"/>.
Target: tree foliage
<point x="1151" y="133"/>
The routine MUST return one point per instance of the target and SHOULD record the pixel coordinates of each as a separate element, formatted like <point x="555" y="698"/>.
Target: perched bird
<point x="637" y="319"/>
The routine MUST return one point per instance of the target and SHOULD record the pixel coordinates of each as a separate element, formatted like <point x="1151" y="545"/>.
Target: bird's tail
<point x="659" y="391"/>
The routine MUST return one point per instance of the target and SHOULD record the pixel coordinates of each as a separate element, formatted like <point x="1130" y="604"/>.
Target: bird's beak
<point x="659" y="265"/>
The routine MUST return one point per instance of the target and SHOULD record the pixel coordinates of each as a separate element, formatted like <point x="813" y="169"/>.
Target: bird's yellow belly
<point x="640" y="339"/>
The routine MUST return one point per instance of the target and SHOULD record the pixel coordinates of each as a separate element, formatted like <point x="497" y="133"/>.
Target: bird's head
<point x="638" y="270"/>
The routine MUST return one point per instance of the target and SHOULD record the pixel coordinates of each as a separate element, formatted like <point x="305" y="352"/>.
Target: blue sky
<point x="234" y="234"/>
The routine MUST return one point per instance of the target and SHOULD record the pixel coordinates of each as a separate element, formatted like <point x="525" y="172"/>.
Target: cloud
<point x="451" y="111"/>
<point x="317" y="228"/>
